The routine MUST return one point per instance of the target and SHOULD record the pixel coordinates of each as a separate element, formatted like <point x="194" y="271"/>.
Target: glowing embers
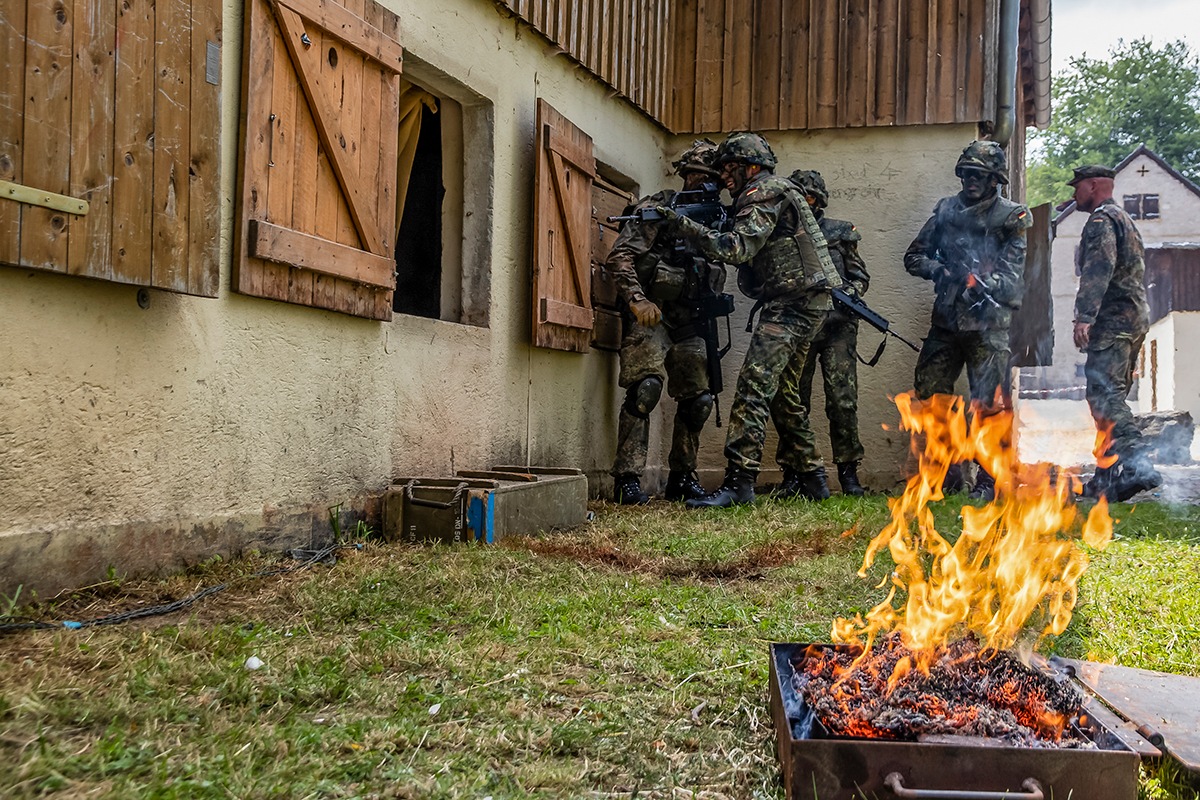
<point x="963" y="693"/>
<point x="1014" y="566"/>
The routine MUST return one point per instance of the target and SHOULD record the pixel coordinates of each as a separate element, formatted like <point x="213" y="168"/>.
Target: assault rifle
<point x="708" y="309"/>
<point x="702" y="205"/>
<point x="873" y="318"/>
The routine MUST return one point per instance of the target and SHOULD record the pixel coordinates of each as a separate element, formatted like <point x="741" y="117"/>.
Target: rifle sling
<point x="875" y="358"/>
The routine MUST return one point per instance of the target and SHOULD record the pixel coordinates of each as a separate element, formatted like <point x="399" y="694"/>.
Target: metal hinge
<point x="40" y="197"/>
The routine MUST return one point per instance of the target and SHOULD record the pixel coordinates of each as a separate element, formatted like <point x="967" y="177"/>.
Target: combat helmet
<point x="811" y="183"/>
<point x="700" y="157"/>
<point x="986" y="156"/>
<point x="748" y="147"/>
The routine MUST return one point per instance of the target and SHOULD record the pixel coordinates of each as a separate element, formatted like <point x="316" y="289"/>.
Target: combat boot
<point x="1134" y="475"/>
<point x="683" y="486"/>
<point x="985" y="486"/>
<point x="848" y="478"/>
<point x="810" y="485"/>
<point x="737" y="489"/>
<point x="953" y="483"/>
<point x="1099" y="485"/>
<point x="627" y="490"/>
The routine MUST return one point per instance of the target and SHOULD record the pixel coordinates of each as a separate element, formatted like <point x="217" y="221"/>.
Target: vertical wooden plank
<point x="330" y="205"/>
<point x="973" y="55"/>
<point x="915" y="70"/>
<point x="683" y="54"/>
<point x="204" y="224"/>
<point x="739" y="31"/>
<point x="12" y="123"/>
<point x="886" y="48"/>
<point x="258" y="68"/>
<point x="288" y="104"/>
<point x="946" y="57"/>
<point x="172" y="143"/>
<point x="351" y="113"/>
<point x="766" y="81"/>
<point x="47" y="137"/>
<point x="710" y="55"/>
<point x="133" y="154"/>
<point x="388" y="126"/>
<point x="795" y="65"/>
<point x="857" y="53"/>
<point x="825" y="64"/>
<point x="92" y="136"/>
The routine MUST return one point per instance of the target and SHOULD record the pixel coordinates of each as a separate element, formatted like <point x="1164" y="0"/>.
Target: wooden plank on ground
<point x="133" y="138"/>
<point x="204" y="223"/>
<point x="47" y="137"/>
<point x="12" y="119"/>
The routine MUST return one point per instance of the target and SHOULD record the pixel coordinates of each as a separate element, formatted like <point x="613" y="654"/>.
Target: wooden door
<point x="562" y="239"/>
<point x="316" y="222"/>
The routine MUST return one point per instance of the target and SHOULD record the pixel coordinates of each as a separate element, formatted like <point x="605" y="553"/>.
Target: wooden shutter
<point x="562" y="241"/>
<point x="109" y="140"/>
<point x="317" y="208"/>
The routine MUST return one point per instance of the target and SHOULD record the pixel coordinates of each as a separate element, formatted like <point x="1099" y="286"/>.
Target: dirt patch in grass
<point x="750" y="564"/>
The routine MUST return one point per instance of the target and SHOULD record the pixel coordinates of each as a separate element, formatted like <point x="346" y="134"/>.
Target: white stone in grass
<point x="434" y="709"/>
<point x="254" y="662"/>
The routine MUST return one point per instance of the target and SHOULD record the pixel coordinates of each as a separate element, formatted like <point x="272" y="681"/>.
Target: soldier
<point x="837" y="348"/>
<point x="658" y="282"/>
<point x="1111" y="320"/>
<point x="973" y="249"/>
<point x="784" y="264"/>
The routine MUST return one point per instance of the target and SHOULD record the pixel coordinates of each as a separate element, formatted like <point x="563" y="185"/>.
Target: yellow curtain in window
<point x="412" y="99"/>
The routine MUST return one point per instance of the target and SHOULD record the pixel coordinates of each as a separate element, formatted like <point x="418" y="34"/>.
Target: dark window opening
<point x="1141" y="206"/>
<point x="1133" y="205"/>
<point x="1149" y="206"/>
<point x="419" y="240"/>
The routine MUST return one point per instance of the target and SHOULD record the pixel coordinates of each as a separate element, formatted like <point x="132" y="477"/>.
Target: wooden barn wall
<point x="808" y="64"/>
<point x="623" y="42"/>
<point x="1172" y="280"/>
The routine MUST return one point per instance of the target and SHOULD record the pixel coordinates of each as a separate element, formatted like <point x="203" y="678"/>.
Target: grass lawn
<point x="624" y="659"/>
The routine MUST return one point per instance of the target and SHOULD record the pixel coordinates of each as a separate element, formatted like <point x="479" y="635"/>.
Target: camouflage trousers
<point x="985" y="354"/>
<point x="1109" y="374"/>
<point x="784" y="335"/>
<point x="683" y="367"/>
<point x="835" y="347"/>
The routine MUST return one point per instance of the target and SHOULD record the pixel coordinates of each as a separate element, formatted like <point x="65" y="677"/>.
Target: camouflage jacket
<point x="843" y="238"/>
<point x="646" y="263"/>
<point x="775" y="236"/>
<point x="1112" y="290"/>
<point x="975" y="256"/>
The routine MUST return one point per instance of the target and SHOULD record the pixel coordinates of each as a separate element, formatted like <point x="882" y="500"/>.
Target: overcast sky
<point x="1094" y="26"/>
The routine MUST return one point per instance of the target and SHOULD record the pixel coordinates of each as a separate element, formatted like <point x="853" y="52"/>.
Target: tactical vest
<point x="671" y="275"/>
<point x="972" y="242"/>
<point x="793" y="262"/>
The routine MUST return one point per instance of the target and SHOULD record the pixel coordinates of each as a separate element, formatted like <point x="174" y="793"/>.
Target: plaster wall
<point x="1179" y="221"/>
<point x="142" y="439"/>
<point x="886" y="181"/>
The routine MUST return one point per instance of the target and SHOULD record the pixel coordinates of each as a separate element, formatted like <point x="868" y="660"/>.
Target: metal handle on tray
<point x="421" y="501"/>
<point x="895" y="782"/>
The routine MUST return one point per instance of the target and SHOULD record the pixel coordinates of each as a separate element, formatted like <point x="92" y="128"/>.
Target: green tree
<point x="1104" y="108"/>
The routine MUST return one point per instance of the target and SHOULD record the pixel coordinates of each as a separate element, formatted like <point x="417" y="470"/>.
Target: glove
<point x="669" y="215"/>
<point x="646" y="312"/>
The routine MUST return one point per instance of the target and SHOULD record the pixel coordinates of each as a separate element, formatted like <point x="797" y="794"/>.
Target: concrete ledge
<point x="44" y="563"/>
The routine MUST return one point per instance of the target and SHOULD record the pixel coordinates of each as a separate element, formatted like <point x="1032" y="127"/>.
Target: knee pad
<point x="642" y="397"/>
<point x="694" y="413"/>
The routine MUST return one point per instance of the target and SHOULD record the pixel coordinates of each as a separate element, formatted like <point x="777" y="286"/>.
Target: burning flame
<point x="1105" y="455"/>
<point x="1016" y="564"/>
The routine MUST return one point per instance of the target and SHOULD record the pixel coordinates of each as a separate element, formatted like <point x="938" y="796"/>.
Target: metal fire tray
<point x="1163" y="708"/>
<point x="816" y="768"/>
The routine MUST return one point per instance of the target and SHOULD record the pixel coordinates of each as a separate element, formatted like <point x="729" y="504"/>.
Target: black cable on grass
<point x="307" y="558"/>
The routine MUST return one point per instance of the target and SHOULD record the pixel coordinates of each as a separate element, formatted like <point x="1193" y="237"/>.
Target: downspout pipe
<point x="1006" y="71"/>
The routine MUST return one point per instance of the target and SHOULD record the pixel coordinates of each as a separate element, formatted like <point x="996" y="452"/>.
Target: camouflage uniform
<point x="644" y="265"/>
<point x="975" y="256"/>
<point x="1112" y="299"/>
<point x="836" y="347"/>
<point x="785" y="264"/>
